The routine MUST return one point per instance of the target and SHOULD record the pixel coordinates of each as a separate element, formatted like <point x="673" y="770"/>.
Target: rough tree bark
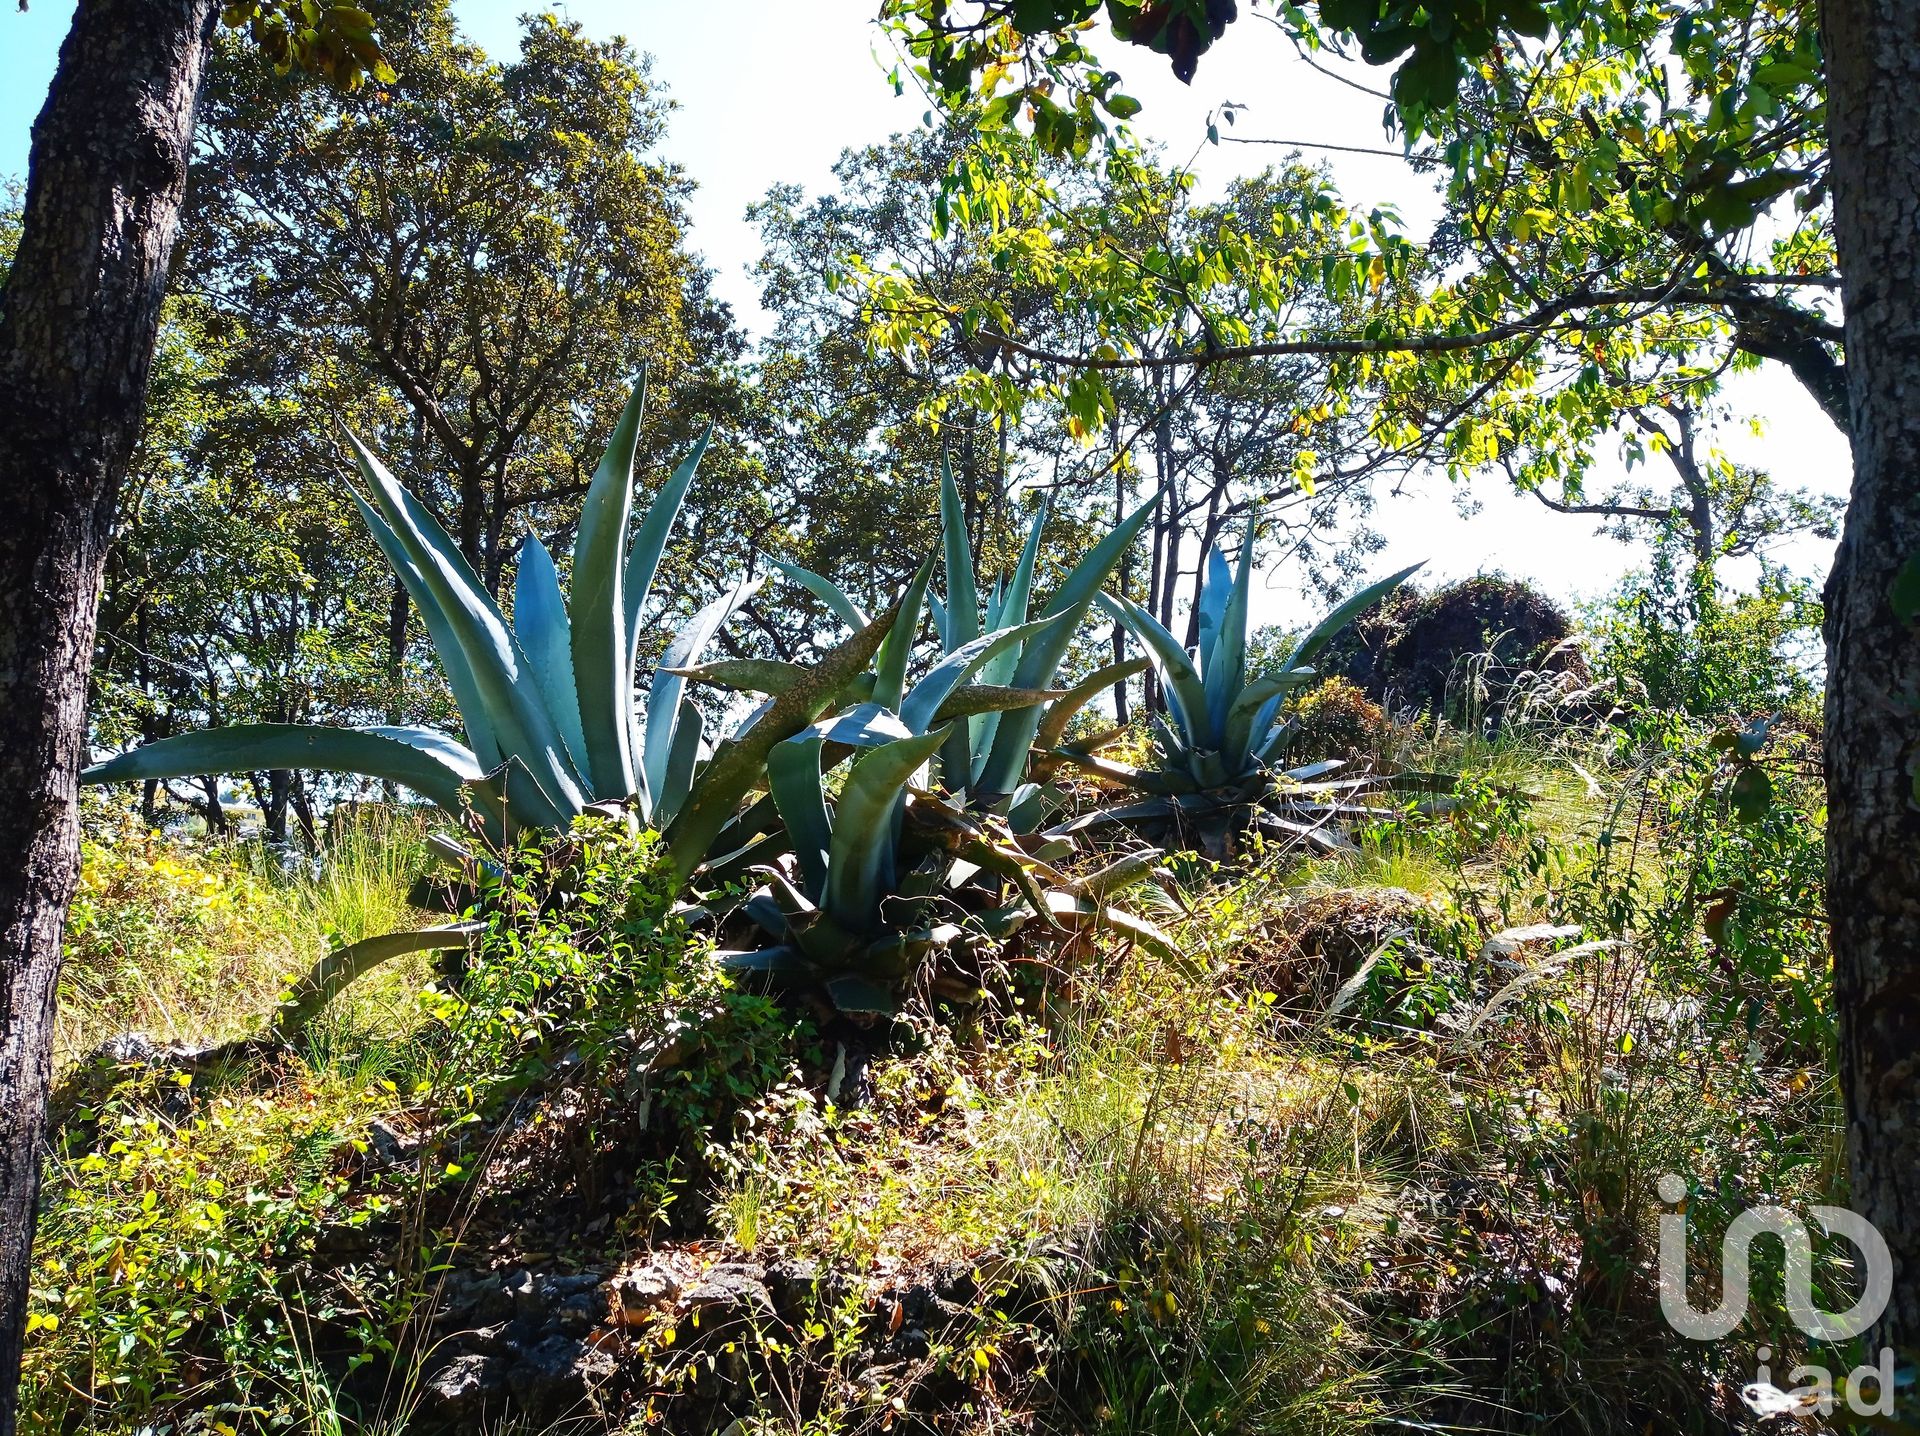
<point x="77" y="325"/>
<point x="1873" y="652"/>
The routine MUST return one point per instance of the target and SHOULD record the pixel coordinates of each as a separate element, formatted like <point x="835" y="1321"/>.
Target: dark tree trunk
<point x="77" y="325"/>
<point x="1873" y="644"/>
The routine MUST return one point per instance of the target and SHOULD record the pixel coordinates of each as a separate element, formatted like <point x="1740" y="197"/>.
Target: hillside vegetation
<point x="1374" y="1147"/>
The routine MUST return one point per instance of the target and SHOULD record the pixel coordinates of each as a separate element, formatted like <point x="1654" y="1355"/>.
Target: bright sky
<point x="772" y="91"/>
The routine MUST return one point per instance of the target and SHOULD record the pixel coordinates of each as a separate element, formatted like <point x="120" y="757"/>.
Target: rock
<point x="537" y="1295"/>
<point x="476" y="1298"/>
<point x="646" y="1288"/>
<point x="558" y="1376"/>
<point x="462" y="1390"/>
<point x="1507" y="945"/>
<point x="727" y="1295"/>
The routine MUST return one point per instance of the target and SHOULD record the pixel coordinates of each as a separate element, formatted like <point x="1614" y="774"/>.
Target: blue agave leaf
<point x="663" y="698"/>
<point x="827" y="591"/>
<point x="1308" y="648"/>
<point x="596" y="603"/>
<point x="1186" y="694"/>
<point x="862" y="857"/>
<point x="917" y="710"/>
<point x="1009" y="610"/>
<point x="453" y="659"/>
<point x="1041" y="654"/>
<point x="963" y="595"/>
<point x="546" y="637"/>
<point x="793" y="777"/>
<point x="428" y="762"/>
<point x="521" y="724"/>
<point x="1214" y="591"/>
<point x="1224" y="666"/>
<point x="865" y="725"/>
<point x="890" y="663"/>
<point x="689" y="729"/>
<point x="650" y="541"/>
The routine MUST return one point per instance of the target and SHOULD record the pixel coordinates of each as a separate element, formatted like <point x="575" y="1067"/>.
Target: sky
<point x="771" y="91"/>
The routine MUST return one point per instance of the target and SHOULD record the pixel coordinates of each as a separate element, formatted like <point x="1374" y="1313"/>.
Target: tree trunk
<point x="77" y="326"/>
<point x="1873" y="645"/>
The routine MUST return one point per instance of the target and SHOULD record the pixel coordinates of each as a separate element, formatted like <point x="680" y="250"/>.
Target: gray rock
<point x="798" y="1288"/>
<point x="729" y="1294"/>
<point x="464" y="1388"/>
<point x="645" y="1288"/>
<point x="558" y="1376"/>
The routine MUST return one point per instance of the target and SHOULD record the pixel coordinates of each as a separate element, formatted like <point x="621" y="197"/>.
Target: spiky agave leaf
<point x="1040" y="657"/>
<point x="740" y="760"/>
<point x="597" y="607"/>
<point x="429" y="762"/>
<point x="663" y="698"/>
<point x="546" y="636"/>
<point x="1223" y="669"/>
<point x="827" y="591"/>
<point x="1180" y="680"/>
<point x="542" y="776"/>
<point x="863" y="852"/>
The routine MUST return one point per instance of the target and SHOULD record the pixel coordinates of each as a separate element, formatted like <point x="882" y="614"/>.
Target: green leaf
<point x="334" y="972"/>
<point x="743" y="675"/>
<point x="596" y="604"/>
<point x="546" y="637"/>
<point x="1751" y="794"/>
<point x="1053" y="726"/>
<point x="862" y="856"/>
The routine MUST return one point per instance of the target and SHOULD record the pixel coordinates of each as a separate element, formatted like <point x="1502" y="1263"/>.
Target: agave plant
<point x="553" y="724"/>
<point x="985" y="756"/>
<point x="868" y="886"/>
<point x="1223" y="727"/>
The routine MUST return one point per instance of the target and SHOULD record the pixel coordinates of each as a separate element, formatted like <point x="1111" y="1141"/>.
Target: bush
<point x="1335" y="719"/>
<point x="1414" y="651"/>
<point x="1673" y="640"/>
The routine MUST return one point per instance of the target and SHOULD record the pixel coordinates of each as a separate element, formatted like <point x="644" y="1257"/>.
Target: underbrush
<point x="1383" y="1153"/>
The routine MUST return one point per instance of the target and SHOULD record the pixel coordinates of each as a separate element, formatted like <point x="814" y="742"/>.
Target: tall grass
<point x="191" y="941"/>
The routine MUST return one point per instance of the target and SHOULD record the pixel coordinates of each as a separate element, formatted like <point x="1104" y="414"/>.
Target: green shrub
<point x="166" y="1286"/>
<point x="1672" y="640"/>
<point x="1335" y="719"/>
<point x="585" y="968"/>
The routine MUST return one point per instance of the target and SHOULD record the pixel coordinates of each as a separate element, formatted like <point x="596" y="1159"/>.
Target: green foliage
<point x="1672" y="640"/>
<point x="1223" y="724"/>
<point x="1334" y="719"/>
<point x="173" y="1260"/>
<point x="584" y="971"/>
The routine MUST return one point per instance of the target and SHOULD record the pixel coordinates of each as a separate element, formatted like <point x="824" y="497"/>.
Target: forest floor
<point x="1381" y="1155"/>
